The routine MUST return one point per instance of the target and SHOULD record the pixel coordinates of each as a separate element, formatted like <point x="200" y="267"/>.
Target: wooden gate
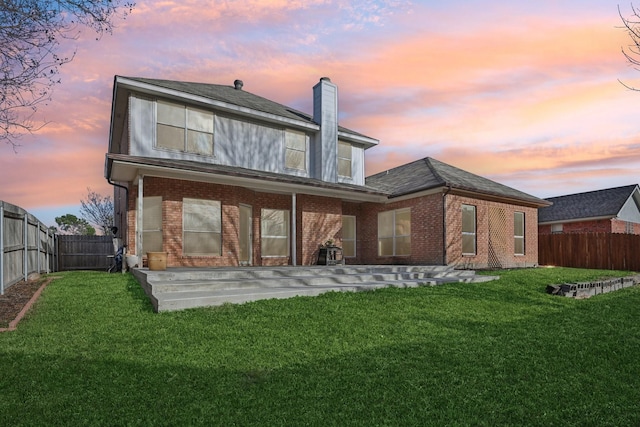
<point x="84" y="252"/>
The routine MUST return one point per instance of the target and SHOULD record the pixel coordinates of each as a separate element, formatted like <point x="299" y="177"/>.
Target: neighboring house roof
<point x="605" y="203"/>
<point x="429" y="173"/>
<point x="239" y="97"/>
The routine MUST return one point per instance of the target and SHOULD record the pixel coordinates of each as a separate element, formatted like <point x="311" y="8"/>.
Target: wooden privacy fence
<point x="84" y="252"/>
<point x="26" y="246"/>
<point x="590" y="250"/>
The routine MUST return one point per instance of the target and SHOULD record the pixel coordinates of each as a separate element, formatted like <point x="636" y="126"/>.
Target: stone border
<point x="584" y="290"/>
<point x="13" y="325"/>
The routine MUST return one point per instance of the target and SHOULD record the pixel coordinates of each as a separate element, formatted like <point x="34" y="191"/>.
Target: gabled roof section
<point x="229" y="95"/>
<point x="429" y="173"/>
<point x="605" y="203"/>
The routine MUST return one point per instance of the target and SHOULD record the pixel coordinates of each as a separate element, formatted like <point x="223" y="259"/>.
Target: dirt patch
<point x="15" y="298"/>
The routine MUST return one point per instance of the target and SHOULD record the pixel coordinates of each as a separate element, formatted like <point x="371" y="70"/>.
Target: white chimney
<point x="325" y="114"/>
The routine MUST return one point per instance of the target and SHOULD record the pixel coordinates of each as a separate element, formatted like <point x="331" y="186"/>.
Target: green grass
<point x="92" y="352"/>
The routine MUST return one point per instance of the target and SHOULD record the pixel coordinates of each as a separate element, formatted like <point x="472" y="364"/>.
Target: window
<point x="518" y="233"/>
<point x="348" y="236"/>
<point x="275" y="233"/>
<point x="394" y="233"/>
<point x="296" y="150"/>
<point x="628" y="227"/>
<point x="201" y="227"/>
<point x="151" y="224"/>
<point x="344" y="159"/>
<point x="556" y="228"/>
<point x="184" y="128"/>
<point x="468" y="230"/>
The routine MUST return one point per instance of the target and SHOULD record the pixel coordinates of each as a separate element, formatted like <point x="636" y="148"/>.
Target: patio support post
<point x="139" y="220"/>
<point x="294" y="234"/>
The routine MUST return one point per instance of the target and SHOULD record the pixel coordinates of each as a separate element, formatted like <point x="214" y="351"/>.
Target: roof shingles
<point x="429" y="173"/>
<point x="592" y="204"/>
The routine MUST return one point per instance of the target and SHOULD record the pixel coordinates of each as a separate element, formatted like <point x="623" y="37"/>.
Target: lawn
<point x="92" y="352"/>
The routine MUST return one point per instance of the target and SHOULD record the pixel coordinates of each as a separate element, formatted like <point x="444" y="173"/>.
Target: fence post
<point x="1" y="248"/>
<point x="26" y="247"/>
<point x="39" y="241"/>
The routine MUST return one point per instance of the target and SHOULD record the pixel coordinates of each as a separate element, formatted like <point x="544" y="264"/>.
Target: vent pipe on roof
<point x="237" y="84"/>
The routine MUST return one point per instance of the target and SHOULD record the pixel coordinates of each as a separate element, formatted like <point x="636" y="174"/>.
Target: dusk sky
<point x="524" y="93"/>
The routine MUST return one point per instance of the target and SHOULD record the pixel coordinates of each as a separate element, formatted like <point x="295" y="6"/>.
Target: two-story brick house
<point x="216" y="176"/>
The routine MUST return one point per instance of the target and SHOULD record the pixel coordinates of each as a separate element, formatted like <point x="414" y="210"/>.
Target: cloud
<point x="523" y="93"/>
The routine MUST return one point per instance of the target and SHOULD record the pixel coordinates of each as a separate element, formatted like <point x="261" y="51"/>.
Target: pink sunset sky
<point x="524" y="93"/>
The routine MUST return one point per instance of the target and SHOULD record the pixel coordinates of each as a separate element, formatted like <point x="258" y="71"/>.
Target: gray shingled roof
<point x="429" y="173"/>
<point x="592" y="204"/>
<point x="230" y="95"/>
<point x="234" y="171"/>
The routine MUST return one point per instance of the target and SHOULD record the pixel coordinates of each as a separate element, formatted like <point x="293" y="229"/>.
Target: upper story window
<point x="184" y="128"/>
<point x="295" y="150"/>
<point x="518" y="233"/>
<point x="468" y="230"/>
<point x="556" y="228"/>
<point x="344" y="159"/>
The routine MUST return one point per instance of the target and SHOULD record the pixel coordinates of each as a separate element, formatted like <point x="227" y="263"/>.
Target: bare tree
<point x="98" y="210"/>
<point x="31" y="32"/>
<point x="632" y="26"/>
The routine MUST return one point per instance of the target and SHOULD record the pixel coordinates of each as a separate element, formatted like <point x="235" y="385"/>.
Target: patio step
<point x="181" y="288"/>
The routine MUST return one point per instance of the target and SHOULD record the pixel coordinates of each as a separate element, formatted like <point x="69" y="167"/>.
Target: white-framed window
<point x="295" y="156"/>
<point x="344" y="159"/>
<point x="274" y="236"/>
<point x="348" y="236"/>
<point x="151" y="224"/>
<point x="394" y="232"/>
<point x="468" y="230"/>
<point x="556" y="228"/>
<point x="184" y="128"/>
<point x="518" y="233"/>
<point x="201" y="227"/>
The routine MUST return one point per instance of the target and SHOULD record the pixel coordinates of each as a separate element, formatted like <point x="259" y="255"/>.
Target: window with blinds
<point x="274" y="236"/>
<point x="201" y="227"/>
<point x="151" y="224"/>
<point x="295" y="150"/>
<point x="184" y="128"/>
<point x="348" y="236"/>
<point x="394" y="232"/>
<point x="468" y="230"/>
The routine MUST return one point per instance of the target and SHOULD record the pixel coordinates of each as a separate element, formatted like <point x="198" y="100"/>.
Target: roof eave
<point x="534" y="203"/>
<point x="567" y="221"/>
<point x="125" y="168"/>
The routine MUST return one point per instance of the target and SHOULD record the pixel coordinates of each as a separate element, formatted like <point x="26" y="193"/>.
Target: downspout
<point x="444" y="224"/>
<point x="124" y="231"/>
<point x="126" y="192"/>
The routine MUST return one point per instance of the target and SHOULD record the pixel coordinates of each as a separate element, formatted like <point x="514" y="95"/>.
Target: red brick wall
<point x="173" y="191"/>
<point x="426" y="231"/>
<point x="320" y="218"/>
<point x="612" y="225"/>
<point x="483" y="211"/>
